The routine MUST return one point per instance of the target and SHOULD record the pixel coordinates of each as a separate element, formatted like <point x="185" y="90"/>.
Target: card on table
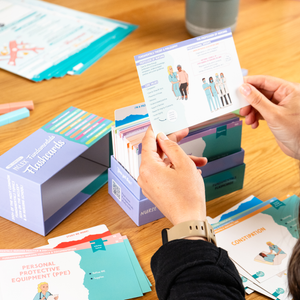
<point x="261" y="242"/>
<point x="96" y="269"/>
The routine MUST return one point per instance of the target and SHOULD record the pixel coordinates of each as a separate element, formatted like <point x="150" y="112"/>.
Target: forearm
<point x="195" y="269"/>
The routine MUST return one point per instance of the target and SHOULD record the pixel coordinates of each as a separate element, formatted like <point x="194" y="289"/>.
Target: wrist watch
<point x="191" y="228"/>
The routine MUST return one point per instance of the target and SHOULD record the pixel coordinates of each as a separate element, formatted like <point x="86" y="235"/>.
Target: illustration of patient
<point x="271" y="258"/>
<point x="267" y="257"/>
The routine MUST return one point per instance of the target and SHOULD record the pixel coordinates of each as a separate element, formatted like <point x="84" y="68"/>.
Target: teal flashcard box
<point x="52" y="172"/>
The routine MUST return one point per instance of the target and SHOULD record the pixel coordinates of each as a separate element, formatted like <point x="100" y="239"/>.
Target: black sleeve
<point x="195" y="269"/>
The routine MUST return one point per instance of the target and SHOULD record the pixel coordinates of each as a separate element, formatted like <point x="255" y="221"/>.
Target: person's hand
<point x="278" y="102"/>
<point x="172" y="183"/>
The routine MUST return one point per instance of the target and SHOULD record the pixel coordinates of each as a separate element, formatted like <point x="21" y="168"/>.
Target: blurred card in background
<point x="39" y="40"/>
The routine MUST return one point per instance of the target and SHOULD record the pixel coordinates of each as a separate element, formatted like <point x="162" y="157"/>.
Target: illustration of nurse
<point x="208" y="92"/>
<point x="275" y="248"/>
<point x="221" y="89"/>
<point x="43" y="293"/>
<point x="226" y="90"/>
<point x="214" y="92"/>
<point x="175" y="82"/>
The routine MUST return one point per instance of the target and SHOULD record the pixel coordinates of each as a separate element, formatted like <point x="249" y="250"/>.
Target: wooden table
<point x="267" y="42"/>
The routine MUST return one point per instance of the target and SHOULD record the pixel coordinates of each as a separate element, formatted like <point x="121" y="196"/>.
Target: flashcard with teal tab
<point x="107" y="273"/>
<point x="262" y="241"/>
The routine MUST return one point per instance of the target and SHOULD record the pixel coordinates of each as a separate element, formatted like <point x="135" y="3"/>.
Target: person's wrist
<point x="184" y="218"/>
<point x="196" y="238"/>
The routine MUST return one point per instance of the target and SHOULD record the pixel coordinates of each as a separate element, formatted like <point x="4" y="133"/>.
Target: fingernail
<point x="162" y="136"/>
<point x="245" y="89"/>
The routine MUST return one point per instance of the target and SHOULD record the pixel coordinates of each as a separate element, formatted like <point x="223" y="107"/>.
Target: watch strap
<point x="193" y="228"/>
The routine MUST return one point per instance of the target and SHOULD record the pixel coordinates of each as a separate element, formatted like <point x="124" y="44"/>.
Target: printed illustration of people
<point x="43" y="292"/>
<point x="271" y="258"/>
<point x="215" y="90"/>
<point x="175" y="82"/>
<point x="180" y="82"/>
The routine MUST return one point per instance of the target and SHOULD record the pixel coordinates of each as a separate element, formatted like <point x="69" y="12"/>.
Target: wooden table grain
<point x="267" y="42"/>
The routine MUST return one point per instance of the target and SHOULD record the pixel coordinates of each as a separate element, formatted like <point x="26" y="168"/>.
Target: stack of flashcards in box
<point x="219" y="140"/>
<point x="259" y="237"/>
<point x="40" y="40"/>
<point x="85" y="265"/>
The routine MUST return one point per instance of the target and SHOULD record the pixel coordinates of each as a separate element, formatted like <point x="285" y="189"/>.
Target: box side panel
<point x="126" y="179"/>
<point x="100" y="152"/>
<point x="148" y="212"/>
<point x="223" y="163"/>
<point x="224" y="182"/>
<point x="123" y="197"/>
<point x="67" y="183"/>
<point x="74" y="203"/>
<point x="65" y="211"/>
<point x="20" y="201"/>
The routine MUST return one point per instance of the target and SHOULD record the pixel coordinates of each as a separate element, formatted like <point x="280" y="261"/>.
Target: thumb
<point x="176" y="155"/>
<point x="257" y="100"/>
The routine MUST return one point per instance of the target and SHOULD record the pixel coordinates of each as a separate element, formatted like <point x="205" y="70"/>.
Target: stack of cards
<point x="75" y="266"/>
<point x="213" y="139"/>
<point x="259" y="237"/>
<point x="40" y="40"/>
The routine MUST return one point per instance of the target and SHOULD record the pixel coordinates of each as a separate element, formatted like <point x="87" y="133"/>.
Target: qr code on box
<point x="116" y="190"/>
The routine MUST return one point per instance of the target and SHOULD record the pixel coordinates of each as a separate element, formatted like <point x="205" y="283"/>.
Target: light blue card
<point x="118" y="281"/>
<point x="142" y="278"/>
<point x="130" y="114"/>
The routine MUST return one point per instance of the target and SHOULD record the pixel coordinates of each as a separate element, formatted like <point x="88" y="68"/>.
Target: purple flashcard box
<point x="52" y="172"/>
<point x="141" y="211"/>
<point x="221" y="177"/>
<point x="210" y="168"/>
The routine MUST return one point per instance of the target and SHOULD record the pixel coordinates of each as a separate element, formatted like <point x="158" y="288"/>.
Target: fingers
<point x="244" y="111"/>
<point x="179" y="135"/>
<point x="263" y="82"/>
<point x="176" y="155"/>
<point x="251" y="117"/>
<point x="258" y="101"/>
<point x="149" y="146"/>
<point x="198" y="161"/>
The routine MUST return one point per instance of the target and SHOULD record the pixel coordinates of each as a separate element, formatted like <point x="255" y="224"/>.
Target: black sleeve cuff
<point x="195" y="269"/>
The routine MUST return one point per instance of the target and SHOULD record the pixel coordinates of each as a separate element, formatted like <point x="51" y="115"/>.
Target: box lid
<point x="48" y="150"/>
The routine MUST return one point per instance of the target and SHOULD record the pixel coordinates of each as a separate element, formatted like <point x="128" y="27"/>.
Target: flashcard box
<point x="52" y="172"/>
<point x="228" y="177"/>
